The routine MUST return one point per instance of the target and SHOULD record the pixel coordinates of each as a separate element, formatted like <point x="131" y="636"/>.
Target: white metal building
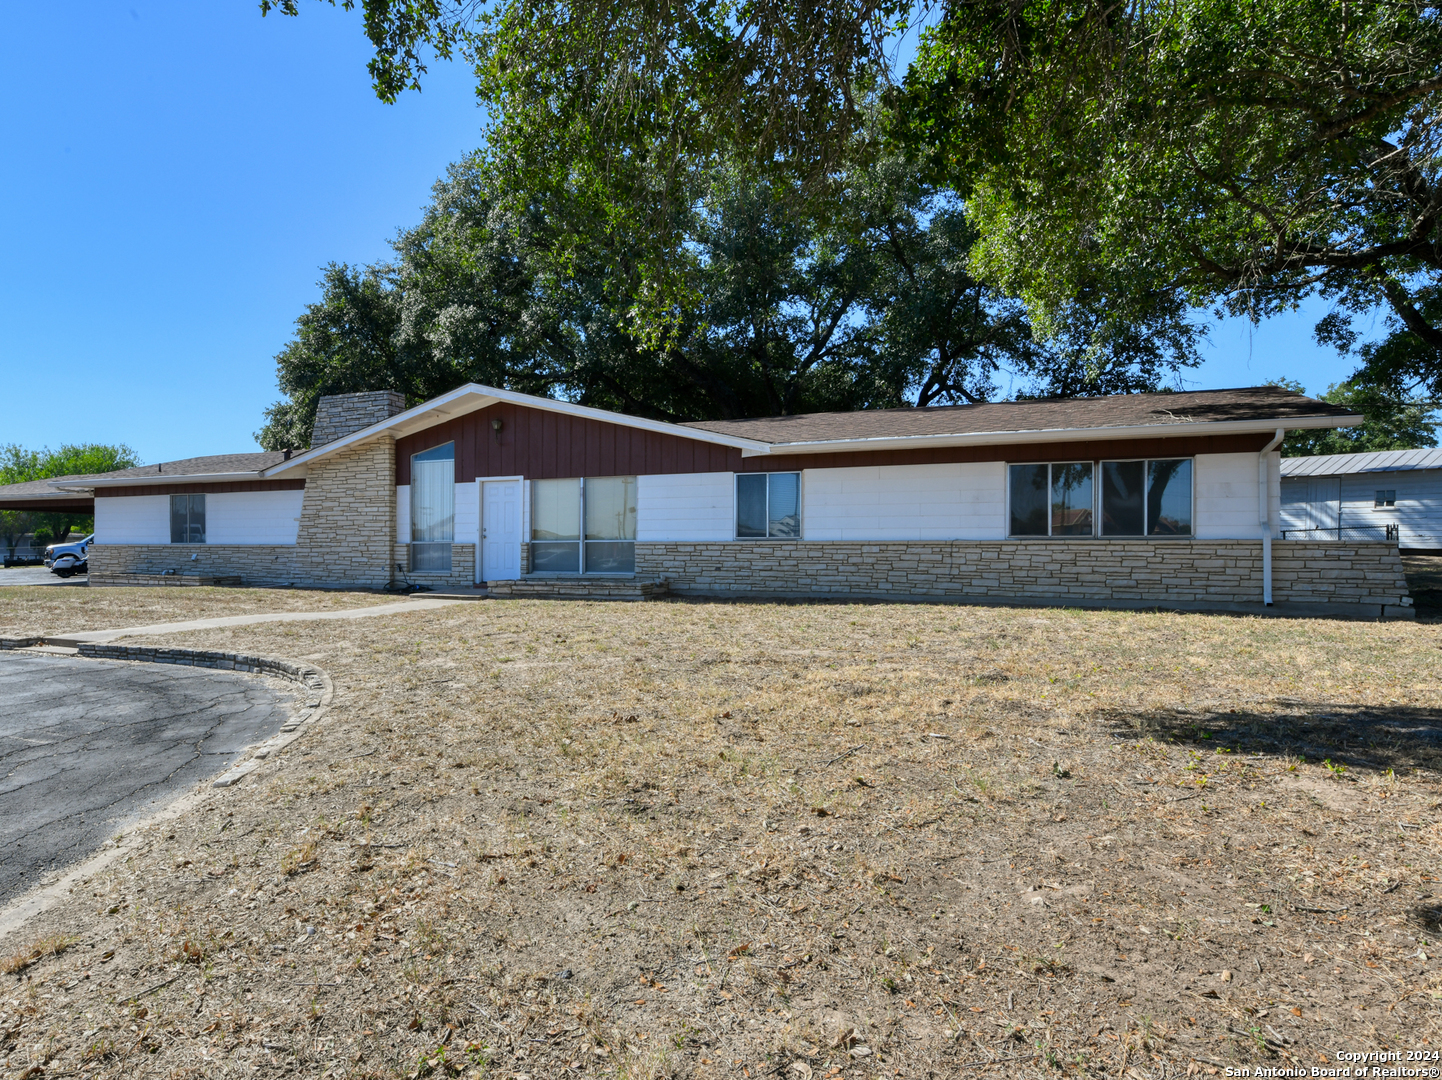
<point x="1362" y="496"/>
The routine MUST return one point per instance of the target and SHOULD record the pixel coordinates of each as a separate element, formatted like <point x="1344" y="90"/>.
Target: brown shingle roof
<point x="1257" y="403"/>
<point x="197" y="466"/>
<point x="32" y="489"/>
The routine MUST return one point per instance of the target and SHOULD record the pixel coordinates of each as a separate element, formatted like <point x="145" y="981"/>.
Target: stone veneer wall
<point x="337" y="415"/>
<point x="348" y="521"/>
<point x="254" y="564"/>
<point x="462" y="572"/>
<point x="1177" y="571"/>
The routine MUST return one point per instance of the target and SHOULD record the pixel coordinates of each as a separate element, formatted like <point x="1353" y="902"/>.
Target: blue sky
<point x="174" y="175"/>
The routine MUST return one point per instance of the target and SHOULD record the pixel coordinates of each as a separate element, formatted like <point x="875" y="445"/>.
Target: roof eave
<point x="1003" y="438"/>
<point x="473" y="397"/>
<point x="158" y="478"/>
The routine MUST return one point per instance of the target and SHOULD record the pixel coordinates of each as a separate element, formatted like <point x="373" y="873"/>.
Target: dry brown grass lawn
<point x="747" y="840"/>
<point x="27" y="610"/>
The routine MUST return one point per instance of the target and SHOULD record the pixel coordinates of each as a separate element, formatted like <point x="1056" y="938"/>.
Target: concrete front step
<point x="102" y="578"/>
<point x="577" y="588"/>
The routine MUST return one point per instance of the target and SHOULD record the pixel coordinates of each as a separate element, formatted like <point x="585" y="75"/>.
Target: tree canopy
<point x="1164" y="154"/>
<point x="19" y="465"/>
<point x="1245" y="155"/>
<point x="1391" y="420"/>
<point x="782" y="309"/>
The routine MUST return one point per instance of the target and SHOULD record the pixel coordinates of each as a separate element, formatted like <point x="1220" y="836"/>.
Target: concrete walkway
<point x="397" y="607"/>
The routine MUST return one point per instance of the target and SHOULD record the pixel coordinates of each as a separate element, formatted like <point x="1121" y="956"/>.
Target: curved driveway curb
<point x="319" y="690"/>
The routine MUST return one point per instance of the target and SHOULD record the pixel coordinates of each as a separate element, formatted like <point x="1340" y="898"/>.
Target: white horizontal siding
<point x="132" y="519"/>
<point x="252" y="517"/>
<point x="1418" y="512"/>
<point x="1225" y="488"/>
<point x="962" y="501"/>
<point x="403" y="514"/>
<point x="468" y="513"/>
<point x="686" y="506"/>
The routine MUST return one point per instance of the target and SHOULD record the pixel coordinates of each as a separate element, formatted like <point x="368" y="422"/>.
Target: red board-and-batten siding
<point x="543" y="445"/>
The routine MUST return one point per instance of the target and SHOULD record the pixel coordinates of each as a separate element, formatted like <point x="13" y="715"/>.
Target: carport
<point x="40" y="496"/>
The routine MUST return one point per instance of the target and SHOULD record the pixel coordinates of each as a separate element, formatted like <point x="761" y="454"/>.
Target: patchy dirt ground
<point x="1424" y="578"/>
<point x="705" y="839"/>
<point x="29" y="610"/>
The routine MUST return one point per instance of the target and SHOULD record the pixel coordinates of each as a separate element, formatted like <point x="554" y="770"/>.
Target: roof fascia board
<point x="1086" y="434"/>
<point x="157" y="478"/>
<point x="481" y="397"/>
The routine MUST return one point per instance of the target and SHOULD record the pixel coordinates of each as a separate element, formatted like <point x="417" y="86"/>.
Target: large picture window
<point x="605" y="505"/>
<point x="768" y="505"/>
<point x="187" y="519"/>
<point x="1147" y="498"/>
<point x="1051" y="500"/>
<point x="433" y="508"/>
<point x="1128" y="498"/>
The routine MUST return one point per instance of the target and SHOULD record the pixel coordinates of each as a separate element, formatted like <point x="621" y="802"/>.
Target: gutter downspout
<point x="1263" y="498"/>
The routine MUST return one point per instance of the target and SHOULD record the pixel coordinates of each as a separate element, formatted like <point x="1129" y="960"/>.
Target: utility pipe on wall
<point x="1263" y="517"/>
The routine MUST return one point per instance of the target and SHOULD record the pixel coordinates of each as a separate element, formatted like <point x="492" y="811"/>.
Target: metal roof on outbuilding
<point x="1374" y="461"/>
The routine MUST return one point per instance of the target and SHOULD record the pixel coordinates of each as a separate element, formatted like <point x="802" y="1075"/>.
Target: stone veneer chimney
<point x="337" y="415"/>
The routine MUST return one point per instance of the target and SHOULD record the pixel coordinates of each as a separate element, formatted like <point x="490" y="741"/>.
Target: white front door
<point x="500" y="530"/>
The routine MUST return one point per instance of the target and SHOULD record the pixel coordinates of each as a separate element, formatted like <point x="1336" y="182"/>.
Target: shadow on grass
<point x="1369" y="738"/>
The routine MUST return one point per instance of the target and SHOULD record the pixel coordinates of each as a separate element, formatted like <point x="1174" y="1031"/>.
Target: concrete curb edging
<point x="319" y="692"/>
<point x="20" y="642"/>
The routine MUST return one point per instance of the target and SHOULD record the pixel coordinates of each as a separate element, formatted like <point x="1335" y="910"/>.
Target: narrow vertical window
<point x="1071" y="499"/>
<point x="433" y="508"/>
<point x="610" y="524"/>
<point x="1169" y="498"/>
<point x="768" y="505"/>
<point x="187" y="519"/>
<point x="1124" y="498"/>
<point x="750" y="505"/>
<point x="783" y="505"/>
<point x="555" y="526"/>
<point x="1028" y="500"/>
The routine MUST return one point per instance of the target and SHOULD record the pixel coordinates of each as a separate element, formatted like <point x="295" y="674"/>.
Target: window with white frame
<point x="584" y="525"/>
<point x="433" y="508"/>
<point x="1144" y="497"/>
<point x="1386" y="498"/>
<point x="768" y="506"/>
<point x="187" y="519"/>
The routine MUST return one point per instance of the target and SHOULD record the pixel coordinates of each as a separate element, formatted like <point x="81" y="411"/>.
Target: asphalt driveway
<point x="87" y="746"/>
<point x="36" y="575"/>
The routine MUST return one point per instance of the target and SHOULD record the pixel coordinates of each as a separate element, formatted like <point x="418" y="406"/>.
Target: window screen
<point x="187" y="519"/>
<point x="768" y="505"/>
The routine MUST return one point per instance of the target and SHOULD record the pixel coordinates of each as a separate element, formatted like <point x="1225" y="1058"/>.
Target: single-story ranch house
<point x="1137" y="499"/>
